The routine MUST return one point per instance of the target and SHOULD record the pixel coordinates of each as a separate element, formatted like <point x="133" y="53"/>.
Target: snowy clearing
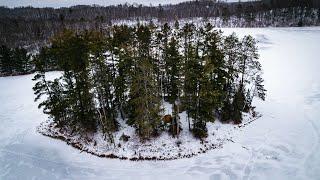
<point x="283" y="144"/>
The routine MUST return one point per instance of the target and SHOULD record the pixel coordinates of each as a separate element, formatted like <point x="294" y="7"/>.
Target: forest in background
<point x="31" y="28"/>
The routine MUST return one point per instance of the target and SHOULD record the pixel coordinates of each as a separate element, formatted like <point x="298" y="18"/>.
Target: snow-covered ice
<point x="283" y="144"/>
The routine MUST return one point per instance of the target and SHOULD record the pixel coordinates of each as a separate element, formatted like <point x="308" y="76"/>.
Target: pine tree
<point x="6" y="63"/>
<point x="187" y="68"/>
<point x="163" y="65"/>
<point x="158" y="54"/>
<point x="55" y="105"/>
<point x="192" y="87"/>
<point x="47" y="57"/>
<point x="249" y="70"/>
<point x="21" y="60"/>
<point x="72" y="53"/>
<point x="145" y="101"/>
<point x="213" y="76"/>
<point x="101" y="77"/>
<point x="173" y="70"/>
<point x="231" y="47"/>
<point x="123" y="40"/>
<point x="249" y="65"/>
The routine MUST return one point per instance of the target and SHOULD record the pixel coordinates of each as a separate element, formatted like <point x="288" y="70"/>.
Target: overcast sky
<point x="66" y="3"/>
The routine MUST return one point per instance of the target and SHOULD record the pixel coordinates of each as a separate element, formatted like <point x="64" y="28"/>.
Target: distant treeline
<point x="15" y="61"/>
<point x="32" y="27"/>
<point x="292" y="3"/>
<point x="18" y="61"/>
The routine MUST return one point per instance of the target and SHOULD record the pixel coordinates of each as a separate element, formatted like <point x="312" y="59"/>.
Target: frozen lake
<point x="283" y="144"/>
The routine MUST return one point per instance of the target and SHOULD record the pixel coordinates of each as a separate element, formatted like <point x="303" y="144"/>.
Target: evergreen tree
<point x="173" y="70"/>
<point x="231" y="47"/>
<point x="145" y="101"/>
<point x="213" y="76"/>
<point x="101" y="77"/>
<point x="187" y="68"/>
<point x="21" y="60"/>
<point x="158" y="54"/>
<point x="203" y="93"/>
<point x="123" y="40"/>
<point x="6" y="63"/>
<point x="72" y="53"/>
<point x="48" y="59"/>
<point x="163" y="65"/>
<point x="249" y="70"/>
<point x="15" y="61"/>
<point x="192" y="87"/>
<point x="55" y="105"/>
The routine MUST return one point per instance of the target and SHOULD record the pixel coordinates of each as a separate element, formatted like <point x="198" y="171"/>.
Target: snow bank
<point x="164" y="147"/>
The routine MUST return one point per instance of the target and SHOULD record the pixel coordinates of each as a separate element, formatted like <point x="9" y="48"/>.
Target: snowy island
<point x="148" y="91"/>
<point x="126" y="89"/>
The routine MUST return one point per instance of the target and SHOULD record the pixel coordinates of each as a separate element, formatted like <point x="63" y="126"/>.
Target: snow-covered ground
<point x="163" y="147"/>
<point x="283" y="144"/>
